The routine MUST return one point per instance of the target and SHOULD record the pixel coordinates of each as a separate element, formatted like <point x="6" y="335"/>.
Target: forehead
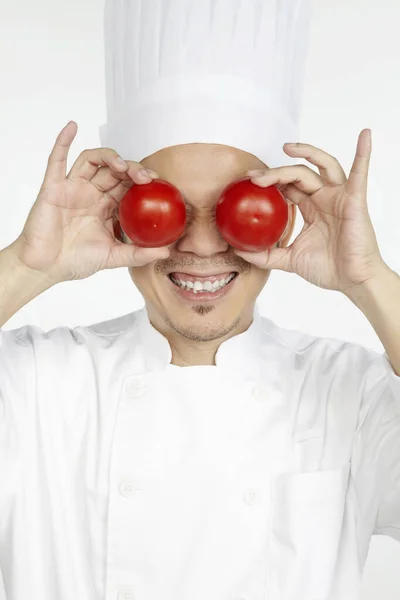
<point x="200" y="170"/>
<point x="196" y="157"/>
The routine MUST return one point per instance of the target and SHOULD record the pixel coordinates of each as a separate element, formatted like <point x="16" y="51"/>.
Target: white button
<point x="128" y="488"/>
<point x="253" y="496"/>
<point x="126" y="594"/>
<point x="135" y="387"/>
<point x="260" y="392"/>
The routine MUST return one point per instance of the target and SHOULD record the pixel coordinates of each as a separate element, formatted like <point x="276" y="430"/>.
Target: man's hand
<point x="337" y="247"/>
<point x="69" y="233"/>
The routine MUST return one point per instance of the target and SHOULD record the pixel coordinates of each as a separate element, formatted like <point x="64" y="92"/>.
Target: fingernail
<point x="145" y="173"/>
<point x="121" y="161"/>
<point x="291" y="145"/>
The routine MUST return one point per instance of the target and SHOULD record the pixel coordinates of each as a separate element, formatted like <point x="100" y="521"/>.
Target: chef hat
<point x="204" y="71"/>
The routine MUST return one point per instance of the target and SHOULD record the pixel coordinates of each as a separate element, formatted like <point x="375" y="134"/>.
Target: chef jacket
<point x="123" y="477"/>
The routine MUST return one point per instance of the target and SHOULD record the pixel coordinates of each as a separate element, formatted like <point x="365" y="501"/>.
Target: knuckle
<point x="111" y="152"/>
<point x="86" y="153"/>
<point x="135" y="165"/>
<point x="56" y="157"/>
<point x="89" y="151"/>
<point x="127" y="183"/>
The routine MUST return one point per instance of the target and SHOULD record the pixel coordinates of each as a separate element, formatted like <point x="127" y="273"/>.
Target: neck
<point x="187" y="352"/>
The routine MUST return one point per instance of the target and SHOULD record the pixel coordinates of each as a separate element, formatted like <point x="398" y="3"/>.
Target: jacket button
<point x="260" y="392"/>
<point x="128" y="488"/>
<point x="253" y="497"/>
<point x="126" y="594"/>
<point x="135" y="388"/>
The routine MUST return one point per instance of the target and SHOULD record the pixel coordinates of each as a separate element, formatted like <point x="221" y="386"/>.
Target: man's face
<point x="201" y="172"/>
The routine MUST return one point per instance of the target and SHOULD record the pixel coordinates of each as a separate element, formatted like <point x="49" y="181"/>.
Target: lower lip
<point x="203" y="296"/>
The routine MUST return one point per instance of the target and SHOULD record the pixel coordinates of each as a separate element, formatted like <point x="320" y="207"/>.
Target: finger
<point x="57" y="163"/>
<point x="120" y="183"/>
<point x="274" y="258"/>
<point x="301" y="200"/>
<point x="358" y="179"/>
<point x="89" y="161"/>
<point x="329" y="167"/>
<point x="106" y="178"/>
<point x="133" y="167"/>
<point x="304" y="178"/>
<point x="129" y="255"/>
<point x="292" y="193"/>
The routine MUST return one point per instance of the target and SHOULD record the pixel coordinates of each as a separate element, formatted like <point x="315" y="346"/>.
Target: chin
<point x="202" y="323"/>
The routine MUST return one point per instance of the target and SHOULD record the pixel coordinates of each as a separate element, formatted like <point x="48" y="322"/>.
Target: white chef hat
<point x="205" y="71"/>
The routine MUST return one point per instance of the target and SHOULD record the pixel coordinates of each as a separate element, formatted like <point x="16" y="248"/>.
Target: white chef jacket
<point x="123" y="477"/>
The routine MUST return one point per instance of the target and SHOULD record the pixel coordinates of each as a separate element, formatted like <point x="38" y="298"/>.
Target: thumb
<point x="274" y="258"/>
<point x="129" y="255"/>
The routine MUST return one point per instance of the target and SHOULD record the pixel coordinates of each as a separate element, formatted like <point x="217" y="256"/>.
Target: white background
<point x="52" y="71"/>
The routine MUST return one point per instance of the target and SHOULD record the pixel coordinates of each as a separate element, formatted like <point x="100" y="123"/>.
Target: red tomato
<point x="251" y="218"/>
<point x="153" y="215"/>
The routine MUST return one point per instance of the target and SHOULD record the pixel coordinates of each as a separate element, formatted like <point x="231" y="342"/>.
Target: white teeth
<point x="207" y="286"/>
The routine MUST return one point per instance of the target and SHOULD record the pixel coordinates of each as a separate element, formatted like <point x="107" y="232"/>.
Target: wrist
<point x="18" y="284"/>
<point x="378" y="297"/>
<point x="15" y="252"/>
<point x="362" y="293"/>
<point x="18" y="277"/>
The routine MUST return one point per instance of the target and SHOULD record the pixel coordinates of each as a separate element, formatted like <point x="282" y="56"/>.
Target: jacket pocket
<point x="306" y="523"/>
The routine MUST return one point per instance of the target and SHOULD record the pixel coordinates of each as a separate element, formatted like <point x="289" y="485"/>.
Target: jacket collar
<point x="241" y="351"/>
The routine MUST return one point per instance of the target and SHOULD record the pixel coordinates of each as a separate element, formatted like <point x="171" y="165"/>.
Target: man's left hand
<point x="337" y="248"/>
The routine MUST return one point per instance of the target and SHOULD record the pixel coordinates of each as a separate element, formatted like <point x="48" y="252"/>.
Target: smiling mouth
<point x="202" y="285"/>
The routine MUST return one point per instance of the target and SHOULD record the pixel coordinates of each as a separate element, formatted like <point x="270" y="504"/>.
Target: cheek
<point x="260" y="277"/>
<point x="142" y="277"/>
<point x="253" y="282"/>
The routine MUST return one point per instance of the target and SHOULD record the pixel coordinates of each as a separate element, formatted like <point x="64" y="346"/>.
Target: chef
<point x="193" y="449"/>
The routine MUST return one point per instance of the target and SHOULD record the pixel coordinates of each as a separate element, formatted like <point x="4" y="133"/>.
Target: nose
<point x="201" y="237"/>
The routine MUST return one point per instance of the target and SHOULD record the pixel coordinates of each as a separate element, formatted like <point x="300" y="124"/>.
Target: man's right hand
<point x="69" y="231"/>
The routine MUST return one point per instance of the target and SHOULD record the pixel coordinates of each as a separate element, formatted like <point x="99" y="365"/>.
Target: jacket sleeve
<point x="377" y="453"/>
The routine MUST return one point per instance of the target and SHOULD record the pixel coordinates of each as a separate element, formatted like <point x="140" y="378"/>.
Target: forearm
<point x="18" y="284"/>
<point x="379" y="300"/>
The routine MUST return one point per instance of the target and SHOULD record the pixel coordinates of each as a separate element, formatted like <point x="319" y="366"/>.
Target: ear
<point x="287" y="234"/>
